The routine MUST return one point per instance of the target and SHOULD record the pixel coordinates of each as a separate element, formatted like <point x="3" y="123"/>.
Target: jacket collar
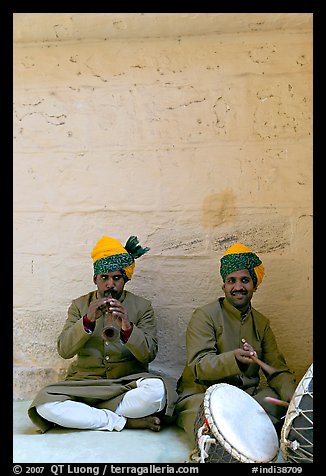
<point x="233" y="311"/>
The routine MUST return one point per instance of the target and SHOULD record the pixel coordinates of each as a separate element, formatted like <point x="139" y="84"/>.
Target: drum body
<point x="231" y="427"/>
<point x="297" y="431"/>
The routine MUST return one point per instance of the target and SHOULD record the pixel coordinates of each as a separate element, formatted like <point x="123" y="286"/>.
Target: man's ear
<point x="223" y="286"/>
<point x="94" y="278"/>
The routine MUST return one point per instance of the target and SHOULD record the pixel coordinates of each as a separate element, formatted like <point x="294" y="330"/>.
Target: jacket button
<point x="107" y="358"/>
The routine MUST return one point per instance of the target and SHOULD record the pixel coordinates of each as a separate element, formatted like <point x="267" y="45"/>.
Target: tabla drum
<point x="231" y="427"/>
<point x="297" y="442"/>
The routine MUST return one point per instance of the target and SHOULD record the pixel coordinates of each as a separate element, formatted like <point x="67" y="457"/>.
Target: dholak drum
<point x="297" y="432"/>
<point x="231" y="427"/>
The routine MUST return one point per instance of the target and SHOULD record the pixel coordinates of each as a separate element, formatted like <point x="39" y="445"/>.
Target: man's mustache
<point x="111" y="292"/>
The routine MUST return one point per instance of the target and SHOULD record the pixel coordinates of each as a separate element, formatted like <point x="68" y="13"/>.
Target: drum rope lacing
<point x="296" y="438"/>
<point x="204" y="441"/>
<point x="295" y="444"/>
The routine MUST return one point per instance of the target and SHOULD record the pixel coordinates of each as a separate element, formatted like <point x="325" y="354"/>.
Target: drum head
<point x="240" y="424"/>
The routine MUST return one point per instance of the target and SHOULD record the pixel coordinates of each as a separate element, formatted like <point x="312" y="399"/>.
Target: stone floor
<point x="80" y="446"/>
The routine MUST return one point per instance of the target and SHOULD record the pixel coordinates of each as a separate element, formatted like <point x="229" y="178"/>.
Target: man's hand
<point x="244" y="356"/>
<point x="97" y="308"/>
<point x="119" y="314"/>
<point x="249" y="347"/>
<point x="254" y="359"/>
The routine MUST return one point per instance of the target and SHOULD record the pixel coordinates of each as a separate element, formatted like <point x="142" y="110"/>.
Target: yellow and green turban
<point x="239" y="257"/>
<point x="109" y="255"/>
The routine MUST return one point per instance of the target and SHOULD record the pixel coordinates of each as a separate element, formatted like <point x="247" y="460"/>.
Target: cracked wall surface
<point x="190" y="142"/>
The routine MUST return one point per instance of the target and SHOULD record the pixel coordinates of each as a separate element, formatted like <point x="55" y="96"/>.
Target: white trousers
<point x="146" y="399"/>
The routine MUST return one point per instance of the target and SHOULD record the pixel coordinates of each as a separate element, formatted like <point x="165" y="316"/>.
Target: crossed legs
<point x="135" y="410"/>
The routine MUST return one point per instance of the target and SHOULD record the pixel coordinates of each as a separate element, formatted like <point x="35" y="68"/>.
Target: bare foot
<point x="150" y="422"/>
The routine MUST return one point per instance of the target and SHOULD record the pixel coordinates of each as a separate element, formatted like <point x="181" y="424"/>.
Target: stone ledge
<point x="27" y="381"/>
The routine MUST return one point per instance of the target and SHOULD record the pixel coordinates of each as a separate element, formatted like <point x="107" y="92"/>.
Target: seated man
<point x="229" y="341"/>
<point x="113" y="334"/>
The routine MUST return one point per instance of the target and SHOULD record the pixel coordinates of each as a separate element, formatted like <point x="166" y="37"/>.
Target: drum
<point x="297" y="432"/>
<point x="231" y="427"/>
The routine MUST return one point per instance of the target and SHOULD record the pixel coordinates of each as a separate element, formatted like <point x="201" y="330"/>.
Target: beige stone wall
<point x="189" y="142"/>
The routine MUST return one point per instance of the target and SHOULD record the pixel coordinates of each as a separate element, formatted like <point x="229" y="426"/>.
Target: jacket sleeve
<point x="142" y="342"/>
<point x="73" y="336"/>
<point x="282" y="381"/>
<point x="202" y="355"/>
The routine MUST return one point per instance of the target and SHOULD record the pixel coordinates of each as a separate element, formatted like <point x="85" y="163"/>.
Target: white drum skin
<point x="239" y="429"/>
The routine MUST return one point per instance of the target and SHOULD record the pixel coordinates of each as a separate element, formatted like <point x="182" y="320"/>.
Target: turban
<point x="109" y="255"/>
<point x="239" y="257"/>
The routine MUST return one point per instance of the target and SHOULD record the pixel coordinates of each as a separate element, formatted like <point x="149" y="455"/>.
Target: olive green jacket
<point x="214" y="332"/>
<point x="101" y="373"/>
<point x="95" y="359"/>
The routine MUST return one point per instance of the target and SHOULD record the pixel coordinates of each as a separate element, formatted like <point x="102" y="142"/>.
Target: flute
<point x="110" y="333"/>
